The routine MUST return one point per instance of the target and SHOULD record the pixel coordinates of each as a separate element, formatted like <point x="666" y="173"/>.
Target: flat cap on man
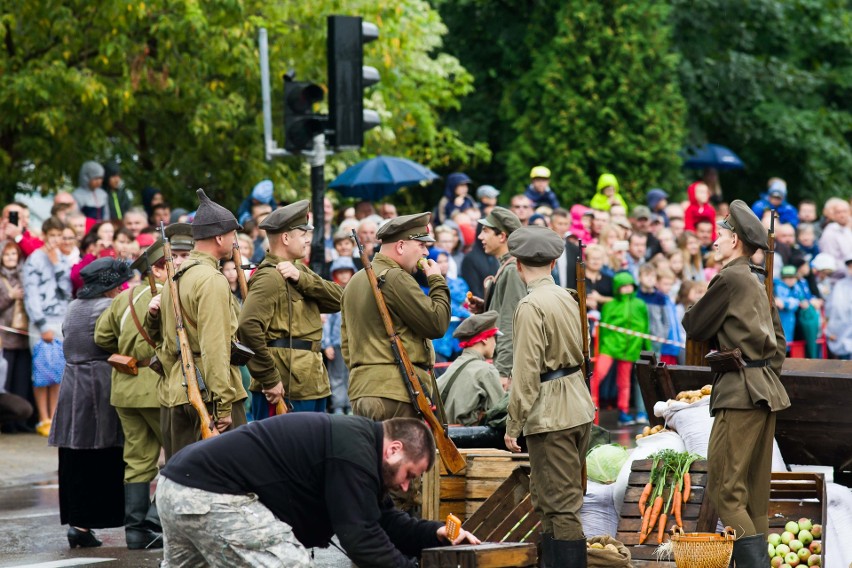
<point x="283" y="219"/>
<point x="474" y="325"/>
<point x="501" y="220"/>
<point x="149" y="257"/>
<point x="211" y="219"/>
<point x="640" y="212"/>
<point x="180" y="236"/>
<point x="406" y="228"/>
<point x="536" y="245"/>
<point x="742" y="221"/>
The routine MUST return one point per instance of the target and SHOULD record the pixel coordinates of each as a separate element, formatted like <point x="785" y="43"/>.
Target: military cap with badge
<point x="288" y="218"/>
<point x="535" y="245"/>
<point x="406" y="228"/>
<point x="742" y="221"/>
<point x="501" y="220"/>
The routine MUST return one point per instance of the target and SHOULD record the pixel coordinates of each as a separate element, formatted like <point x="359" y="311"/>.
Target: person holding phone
<point x="15" y="226"/>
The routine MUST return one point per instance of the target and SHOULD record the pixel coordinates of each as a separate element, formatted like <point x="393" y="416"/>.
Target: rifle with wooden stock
<point x="151" y="282"/>
<point x="238" y="261"/>
<point x="192" y="377"/>
<point x="450" y="455"/>
<point x="584" y="331"/>
<point x="769" y="262"/>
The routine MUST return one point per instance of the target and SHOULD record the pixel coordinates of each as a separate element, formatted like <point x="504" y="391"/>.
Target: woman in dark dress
<point x="85" y="428"/>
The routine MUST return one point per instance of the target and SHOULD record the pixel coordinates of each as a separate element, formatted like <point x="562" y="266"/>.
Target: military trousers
<point x="376" y="408"/>
<point x="202" y="528"/>
<point x="142" y="442"/>
<point x="739" y="468"/>
<point x="556" y="479"/>
<point x="181" y="426"/>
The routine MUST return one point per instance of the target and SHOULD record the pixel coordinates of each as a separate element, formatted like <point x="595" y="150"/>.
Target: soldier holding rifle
<point x="549" y="402"/>
<point x="280" y="319"/>
<point x="209" y="313"/>
<point x="747" y="392"/>
<point x="375" y="387"/>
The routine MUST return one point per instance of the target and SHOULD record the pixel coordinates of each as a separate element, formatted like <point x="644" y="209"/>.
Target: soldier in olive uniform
<point x="549" y="402"/>
<point x="376" y="388"/>
<point x="210" y="313"/>
<point x="471" y="385"/>
<point x="505" y="289"/>
<point x="735" y="312"/>
<point x="280" y="319"/>
<point x="119" y="330"/>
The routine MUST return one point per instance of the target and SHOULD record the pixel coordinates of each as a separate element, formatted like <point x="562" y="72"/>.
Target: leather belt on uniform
<point x="757" y="363"/>
<point x="559" y="373"/>
<point x="143" y="362"/>
<point x="291" y="343"/>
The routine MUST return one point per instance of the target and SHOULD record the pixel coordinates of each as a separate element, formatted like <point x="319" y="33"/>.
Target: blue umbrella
<point x="379" y="177"/>
<point x="712" y="156"/>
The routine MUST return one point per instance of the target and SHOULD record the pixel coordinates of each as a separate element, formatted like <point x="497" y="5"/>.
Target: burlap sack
<point x="603" y="558"/>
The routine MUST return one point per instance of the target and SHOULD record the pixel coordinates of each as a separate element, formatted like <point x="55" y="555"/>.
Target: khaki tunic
<point x="276" y="308"/>
<point x="547" y="337"/>
<point x="115" y="332"/>
<point x="206" y="299"/>
<point x="474" y="392"/>
<point x="735" y="313"/>
<point x="503" y="295"/>
<point x="416" y="318"/>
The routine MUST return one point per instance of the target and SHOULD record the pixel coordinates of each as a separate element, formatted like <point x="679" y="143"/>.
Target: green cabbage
<point x="605" y="461"/>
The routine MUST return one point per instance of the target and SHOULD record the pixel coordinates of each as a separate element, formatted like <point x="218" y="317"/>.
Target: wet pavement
<point x="31" y="535"/>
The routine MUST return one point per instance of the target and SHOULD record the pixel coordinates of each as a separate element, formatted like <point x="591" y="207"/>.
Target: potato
<point x="706" y="389"/>
<point x="639" y="436"/>
<point x="598" y="545"/>
<point x="646" y="430"/>
<point x="611" y="547"/>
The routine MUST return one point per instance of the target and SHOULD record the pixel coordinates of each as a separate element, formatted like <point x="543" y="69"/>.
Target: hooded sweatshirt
<point x="697" y="212"/>
<point x="653" y="200"/>
<point x="447" y="205"/>
<point x="92" y="203"/>
<point x="626" y="311"/>
<point x="601" y="201"/>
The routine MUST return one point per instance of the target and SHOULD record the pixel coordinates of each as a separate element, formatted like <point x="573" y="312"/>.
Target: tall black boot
<point x="137" y="501"/>
<point x="569" y="553"/>
<point x="547" y="560"/>
<point x="750" y="552"/>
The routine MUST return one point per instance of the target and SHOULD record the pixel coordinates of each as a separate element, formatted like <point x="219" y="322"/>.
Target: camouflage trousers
<point x="201" y="528"/>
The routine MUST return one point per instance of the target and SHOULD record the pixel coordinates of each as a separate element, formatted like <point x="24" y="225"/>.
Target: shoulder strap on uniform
<point x="183" y="270"/>
<point x="445" y="392"/>
<point x="136" y="322"/>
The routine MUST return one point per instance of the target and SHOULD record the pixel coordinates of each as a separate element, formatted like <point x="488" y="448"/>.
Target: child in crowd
<point x="628" y="312"/>
<point x="798" y="309"/>
<point x="343" y="244"/>
<point x="690" y="292"/>
<point x="447" y="347"/>
<point x="229" y="269"/>
<point x="342" y="270"/>
<point x="699" y="207"/>
<point x="806" y="239"/>
<point x="665" y="284"/>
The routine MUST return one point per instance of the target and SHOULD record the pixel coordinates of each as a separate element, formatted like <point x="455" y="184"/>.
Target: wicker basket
<point x="702" y="550"/>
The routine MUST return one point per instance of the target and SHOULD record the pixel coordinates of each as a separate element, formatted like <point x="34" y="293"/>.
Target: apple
<point x="787" y="536"/>
<point x="816" y="530"/>
<point x="792" y="527"/>
<point x="786" y="566"/>
<point x="774" y="539"/>
<point x="795" y="545"/>
<point x="792" y="559"/>
<point x="771" y="550"/>
<point x="815" y="560"/>
<point x="776" y="562"/>
<point x="805" y="524"/>
<point x="816" y="547"/>
<point x="804" y="554"/>
<point x="806" y="537"/>
<point x="782" y="549"/>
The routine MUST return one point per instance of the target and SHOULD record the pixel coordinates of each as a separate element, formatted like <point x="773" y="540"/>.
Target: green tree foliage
<point x="772" y="79"/>
<point x="172" y="89"/>
<point x="582" y="87"/>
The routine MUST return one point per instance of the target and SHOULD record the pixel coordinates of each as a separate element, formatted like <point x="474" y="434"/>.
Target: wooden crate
<point x="698" y="514"/>
<point x="793" y="496"/>
<point x="463" y="493"/>
<point x="507" y="516"/>
<point x="487" y="555"/>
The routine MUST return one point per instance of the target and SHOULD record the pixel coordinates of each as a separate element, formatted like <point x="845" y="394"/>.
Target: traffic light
<point x="301" y="124"/>
<point x="347" y="79"/>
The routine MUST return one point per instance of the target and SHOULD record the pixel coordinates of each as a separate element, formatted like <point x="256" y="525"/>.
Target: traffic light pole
<point x="270" y="147"/>
<point x="316" y="157"/>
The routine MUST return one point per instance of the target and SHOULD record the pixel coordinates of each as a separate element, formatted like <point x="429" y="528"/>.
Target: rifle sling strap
<point x="445" y="392"/>
<point x="137" y="323"/>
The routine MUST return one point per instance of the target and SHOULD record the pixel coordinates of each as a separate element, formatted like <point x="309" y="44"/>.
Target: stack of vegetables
<point x="669" y="474"/>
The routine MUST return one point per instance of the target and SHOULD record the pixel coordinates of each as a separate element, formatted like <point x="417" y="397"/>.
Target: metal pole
<point x="269" y="145"/>
<point x="317" y="161"/>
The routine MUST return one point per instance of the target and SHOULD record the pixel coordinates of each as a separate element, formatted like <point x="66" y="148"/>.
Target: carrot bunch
<point x="654" y="508"/>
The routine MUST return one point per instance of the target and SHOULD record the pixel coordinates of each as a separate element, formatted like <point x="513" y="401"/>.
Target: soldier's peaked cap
<point x="211" y="219"/>
<point x="535" y="245"/>
<point x="742" y="221"/>
<point x="283" y="219"/>
<point x="474" y="325"/>
<point x="502" y="220"/>
<point x="406" y="227"/>
<point x="180" y="236"/>
<point x="149" y="256"/>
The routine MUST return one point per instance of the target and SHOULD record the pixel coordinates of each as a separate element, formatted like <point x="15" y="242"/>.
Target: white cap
<point x="824" y="261"/>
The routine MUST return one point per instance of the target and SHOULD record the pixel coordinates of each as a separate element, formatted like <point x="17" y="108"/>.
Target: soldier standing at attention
<point x="735" y="313"/>
<point x="210" y="318"/>
<point x="505" y="289"/>
<point x="471" y="385"/>
<point x="549" y="402"/>
<point x="280" y="319"/>
<point x="376" y="387"/>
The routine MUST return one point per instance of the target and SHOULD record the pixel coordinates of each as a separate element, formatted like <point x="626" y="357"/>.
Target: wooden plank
<point x="503" y="500"/>
<point x="640" y="478"/>
<point x="489" y="555"/>
<point x="491" y="467"/>
<point x="505" y="524"/>
<point x="431" y="494"/>
<point x="481" y="488"/>
<point x="453" y="487"/>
